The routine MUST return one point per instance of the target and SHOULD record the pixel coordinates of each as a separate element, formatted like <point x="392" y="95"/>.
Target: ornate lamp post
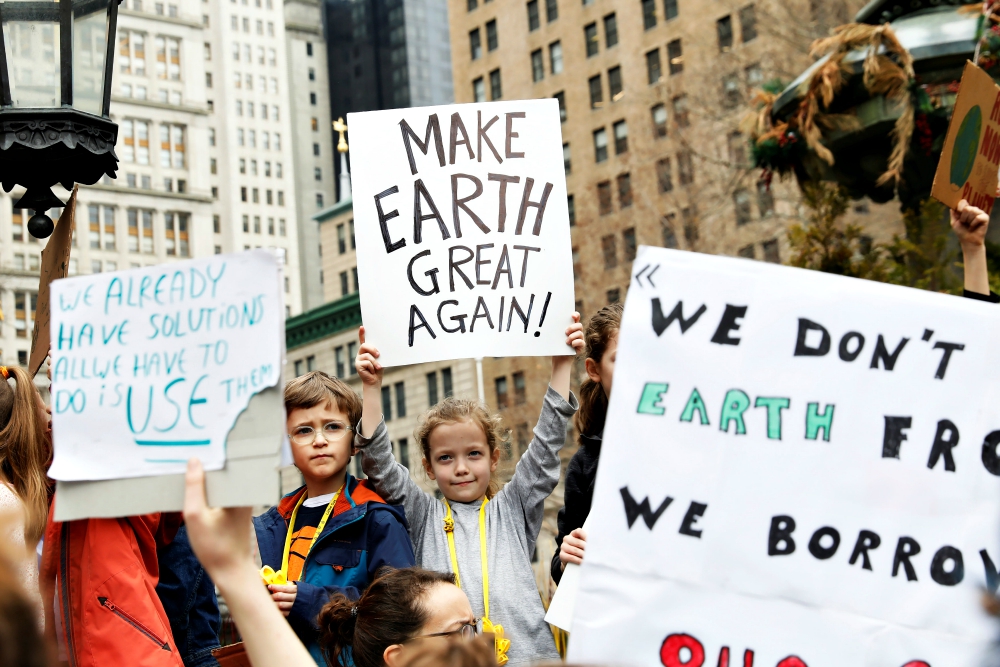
<point x="56" y="60"/>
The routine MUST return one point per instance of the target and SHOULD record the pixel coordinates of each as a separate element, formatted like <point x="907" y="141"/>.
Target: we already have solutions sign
<point x="463" y="230"/>
<point x="798" y="470"/>
<point x="154" y="365"/>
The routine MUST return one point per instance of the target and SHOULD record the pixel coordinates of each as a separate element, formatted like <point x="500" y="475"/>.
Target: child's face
<point x="460" y="461"/>
<point x="331" y="444"/>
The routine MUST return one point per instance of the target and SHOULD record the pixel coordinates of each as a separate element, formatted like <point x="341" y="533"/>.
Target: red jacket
<point x="104" y="572"/>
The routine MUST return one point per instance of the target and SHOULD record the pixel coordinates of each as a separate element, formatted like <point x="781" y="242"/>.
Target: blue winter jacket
<point x="362" y="535"/>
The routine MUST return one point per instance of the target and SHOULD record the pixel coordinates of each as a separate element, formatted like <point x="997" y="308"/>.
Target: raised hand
<point x="367" y="363"/>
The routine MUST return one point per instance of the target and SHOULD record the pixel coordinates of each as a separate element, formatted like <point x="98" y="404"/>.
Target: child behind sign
<point x="331" y="535"/>
<point x="461" y="442"/>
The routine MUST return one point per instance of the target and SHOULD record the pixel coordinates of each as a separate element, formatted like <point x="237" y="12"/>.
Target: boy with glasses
<point x="333" y="534"/>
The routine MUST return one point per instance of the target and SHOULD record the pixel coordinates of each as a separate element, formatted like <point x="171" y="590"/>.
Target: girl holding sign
<point x="483" y="535"/>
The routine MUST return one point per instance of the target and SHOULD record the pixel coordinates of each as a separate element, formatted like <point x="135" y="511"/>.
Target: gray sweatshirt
<point x="513" y="519"/>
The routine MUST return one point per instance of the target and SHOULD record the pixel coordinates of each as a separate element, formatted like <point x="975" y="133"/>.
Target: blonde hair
<point x="24" y="450"/>
<point x="453" y="410"/>
<point x="601" y="330"/>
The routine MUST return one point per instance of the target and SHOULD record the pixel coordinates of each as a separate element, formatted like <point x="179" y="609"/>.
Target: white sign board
<point x="462" y="228"/>
<point x="154" y="365"/>
<point x="798" y="469"/>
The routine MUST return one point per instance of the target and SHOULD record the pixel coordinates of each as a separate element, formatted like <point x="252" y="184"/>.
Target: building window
<point x="754" y="75"/>
<point x="501" y="388"/>
<point x="669" y="236"/>
<point x="537" y="66"/>
<point x="318" y="173"/>
<point x="432" y="389"/>
<point x="654" y="72"/>
<point x="491" y="35"/>
<point x="746" y="252"/>
<point x="168" y="58"/>
<point x="610" y="251"/>
<point x="670" y="9"/>
<point x="567" y="162"/>
<point x="680" y="104"/>
<point x="624" y="190"/>
<point x="600" y="145"/>
<point x="338" y="357"/>
<point x="561" y="98"/>
<point x="614" y="295"/>
<point x="596" y="92"/>
<point x="556" y="57"/>
<point x="496" y="92"/>
<point x="648" y="14"/>
<point x="446" y="385"/>
<point x="341" y="240"/>
<point x="615" y="83"/>
<point x="475" y="44"/>
<point x="352" y="353"/>
<point x="724" y="31"/>
<point x="387" y="403"/>
<point x="604" y="197"/>
<point x="621" y="137"/>
<point x="765" y="198"/>
<point x="664" y="178"/>
<point x="400" y="399"/>
<point x="675" y="57"/>
<point x="590" y="37"/>
<point x="102" y="223"/>
<point x="659" y="115"/>
<point x="629" y="242"/>
<point x="551" y="10"/>
<point x="310" y="363"/>
<point x="350" y="228"/>
<point x="730" y="91"/>
<point x="748" y="23"/>
<point x="571" y="206"/>
<point x="610" y="30"/>
<point x="771" y="253"/>
<point x="216" y="224"/>
<point x="478" y="90"/>
<point x="577" y="269"/>
<point x="685" y="168"/>
<point x="522" y="447"/>
<point x="471" y="4"/>
<point x="741" y="200"/>
<point x="737" y="151"/>
<point x="309" y="49"/>
<point x="172" y="146"/>
<point x="533" y="20"/>
<point x="344" y="286"/>
<point x="520" y="393"/>
<point x="175" y="226"/>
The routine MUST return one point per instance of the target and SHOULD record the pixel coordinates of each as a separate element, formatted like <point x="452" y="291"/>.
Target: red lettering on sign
<point x="917" y="663"/>
<point x="995" y="117"/>
<point x="670" y="652"/>
<point x="792" y="661"/>
<point x="986" y="143"/>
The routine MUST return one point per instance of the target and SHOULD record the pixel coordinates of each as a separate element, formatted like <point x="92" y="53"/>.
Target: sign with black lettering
<point x="462" y="230"/>
<point x="798" y="470"/>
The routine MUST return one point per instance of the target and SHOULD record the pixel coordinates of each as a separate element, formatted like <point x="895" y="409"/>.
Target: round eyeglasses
<point x="332" y="432"/>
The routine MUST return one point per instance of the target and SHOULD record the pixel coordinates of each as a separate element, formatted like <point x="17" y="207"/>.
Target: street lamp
<point x="56" y="59"/>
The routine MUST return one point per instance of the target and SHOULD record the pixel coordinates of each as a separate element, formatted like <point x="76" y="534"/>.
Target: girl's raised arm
<point x="392" y="481"/>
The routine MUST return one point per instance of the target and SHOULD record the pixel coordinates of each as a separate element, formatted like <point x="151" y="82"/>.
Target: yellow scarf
<point x="501" y="644"/>
<point x="280" y="578"/>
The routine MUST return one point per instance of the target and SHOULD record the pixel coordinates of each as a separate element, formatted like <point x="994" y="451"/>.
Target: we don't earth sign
<point x="798" y="470"/>
<point x="154" y="365"/>
<point x="463" y="230"/>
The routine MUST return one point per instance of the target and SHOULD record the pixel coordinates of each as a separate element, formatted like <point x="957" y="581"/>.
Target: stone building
<point x="651" y="94"/>
<point x="223" y="145"/>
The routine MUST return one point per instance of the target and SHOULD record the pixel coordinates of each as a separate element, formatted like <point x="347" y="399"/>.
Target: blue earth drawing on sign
<point x="963" y="153"/>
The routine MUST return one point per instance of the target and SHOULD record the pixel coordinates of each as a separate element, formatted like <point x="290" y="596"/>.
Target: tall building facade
<point x="312" y="136"/>
<point x="224" y="145"/>
<point x="387" y="54"/>
<point x="651" y="95"/>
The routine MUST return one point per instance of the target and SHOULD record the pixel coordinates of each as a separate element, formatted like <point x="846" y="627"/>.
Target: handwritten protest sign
<point x="462" y="230"/>
<point x="152" y="366"/>
<point x="971" y="154"/>
<point x="798" y="469"/>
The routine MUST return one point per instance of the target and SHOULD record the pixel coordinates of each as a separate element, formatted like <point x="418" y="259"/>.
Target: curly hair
<point x="453" y="410"/>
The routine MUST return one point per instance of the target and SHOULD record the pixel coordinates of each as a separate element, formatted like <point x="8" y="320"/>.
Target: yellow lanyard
<point x="280" y="577"/>
<point x="501" y="644"/>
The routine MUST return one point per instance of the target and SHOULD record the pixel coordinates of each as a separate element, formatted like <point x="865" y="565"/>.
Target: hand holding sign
<point x="970" y="225"/>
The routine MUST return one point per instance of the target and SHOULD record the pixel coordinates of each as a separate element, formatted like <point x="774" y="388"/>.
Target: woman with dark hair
<point x="390" y="622"/>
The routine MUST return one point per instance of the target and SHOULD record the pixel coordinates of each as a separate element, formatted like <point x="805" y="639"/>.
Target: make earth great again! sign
<point x="798" y="469"/>
<point x="462" y="230"/>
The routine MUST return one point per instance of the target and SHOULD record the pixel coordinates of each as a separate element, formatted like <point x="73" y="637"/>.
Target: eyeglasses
<point x="332" y="432"/>
<point x="467" y="631"/>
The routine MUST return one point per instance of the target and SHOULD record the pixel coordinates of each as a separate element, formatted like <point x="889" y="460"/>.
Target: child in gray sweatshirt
<point x="461" y="443"/>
